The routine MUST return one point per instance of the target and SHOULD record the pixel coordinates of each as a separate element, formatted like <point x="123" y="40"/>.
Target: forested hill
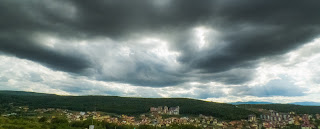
<point x="122" y="105"/>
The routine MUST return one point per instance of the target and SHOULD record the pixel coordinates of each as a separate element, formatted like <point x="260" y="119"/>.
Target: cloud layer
<point x="162" y="48"/>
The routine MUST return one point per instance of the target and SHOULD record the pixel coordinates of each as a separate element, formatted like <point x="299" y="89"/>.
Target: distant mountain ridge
<point x="295" y="103"/>
<point x="307" y="103"/>
<point x="250" y="102"/>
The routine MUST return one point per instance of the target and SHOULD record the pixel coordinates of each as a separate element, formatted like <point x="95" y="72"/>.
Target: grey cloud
<point x="21" y="20"/>
<point x="249" y="31"/>
<point x="203" y="93"/>
<point x="23" y="48"/>
<point x="83" y="87"/>
<point x="209" y="92"/>
<point x="132" y="63"/>
<point x="233" y="76"/>
<point x="3" y="79"/>
<point x="35" y="77"/>
<point x="278" y="87"/>
<point x="198" y="91"/>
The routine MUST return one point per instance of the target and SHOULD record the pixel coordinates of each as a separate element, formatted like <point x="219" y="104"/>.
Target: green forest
<point x="122" y="105"/>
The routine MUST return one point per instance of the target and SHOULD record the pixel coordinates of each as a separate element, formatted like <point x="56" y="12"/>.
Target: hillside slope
<point x="122" y="105"/>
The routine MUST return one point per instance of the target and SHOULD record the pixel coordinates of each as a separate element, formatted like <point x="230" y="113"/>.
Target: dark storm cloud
<point x="254" y="29"/>
<point x="234" y="76"/>
<point x="144" y="73"/>
<point x="26" y="49"/>
<point x="119" y="18"/>
<point x="248" y="31"/>
<point x="20" y="20"/>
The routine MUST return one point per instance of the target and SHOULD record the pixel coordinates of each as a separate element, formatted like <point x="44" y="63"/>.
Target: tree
<point x="43" y="119"/>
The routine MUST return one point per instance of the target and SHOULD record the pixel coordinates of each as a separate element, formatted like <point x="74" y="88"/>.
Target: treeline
<point x="284" y="108"/>
<point x="125" y="105"/>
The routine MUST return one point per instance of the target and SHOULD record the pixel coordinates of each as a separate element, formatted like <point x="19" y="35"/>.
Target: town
<point x="164" y="116"/>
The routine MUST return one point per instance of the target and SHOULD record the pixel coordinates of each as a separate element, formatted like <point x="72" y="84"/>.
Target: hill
<point x="122" y="105"/>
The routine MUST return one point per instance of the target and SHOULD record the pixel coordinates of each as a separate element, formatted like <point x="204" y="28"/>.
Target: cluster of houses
<point x="201" y="121"/>
<point x="273" y="120"/>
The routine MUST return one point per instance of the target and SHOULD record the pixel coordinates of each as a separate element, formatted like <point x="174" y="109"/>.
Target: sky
<point x="214" y="50"/>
